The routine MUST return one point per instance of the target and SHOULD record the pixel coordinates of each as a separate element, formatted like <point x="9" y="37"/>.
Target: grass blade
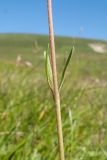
<point x="13" y="152"/>
<point x="65" y="68"/>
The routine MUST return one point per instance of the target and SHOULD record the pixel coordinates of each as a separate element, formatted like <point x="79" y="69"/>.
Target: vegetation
<point x="27" y="124"/>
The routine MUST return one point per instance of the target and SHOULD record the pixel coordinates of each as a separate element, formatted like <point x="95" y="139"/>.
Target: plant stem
<point x="55" y="81"/>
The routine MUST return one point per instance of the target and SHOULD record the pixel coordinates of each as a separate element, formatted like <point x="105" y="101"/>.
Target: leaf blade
<point x="65" y="67"/>
<point x="48" y="70"/>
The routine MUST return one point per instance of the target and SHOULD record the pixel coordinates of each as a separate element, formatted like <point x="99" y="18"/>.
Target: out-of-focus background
<point x="27" y="113"/>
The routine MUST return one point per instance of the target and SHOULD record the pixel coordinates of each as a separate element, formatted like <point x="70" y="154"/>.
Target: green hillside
<point x="27" y="114"/>
<point x="13" y="44"/>
<point x="31" y="47"/>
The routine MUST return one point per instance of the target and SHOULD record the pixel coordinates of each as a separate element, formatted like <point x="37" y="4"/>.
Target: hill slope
<point x="28" y="46"/>
<point x="27" y="114"/>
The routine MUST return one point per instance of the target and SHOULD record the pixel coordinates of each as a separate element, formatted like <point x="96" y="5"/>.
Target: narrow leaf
<point x="65" y="68"/>
<point x="48" y="70"/>
<point x="10" y="154"/>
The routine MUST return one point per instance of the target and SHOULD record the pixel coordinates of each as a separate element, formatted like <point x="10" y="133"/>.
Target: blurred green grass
<point x="27" y="114"/>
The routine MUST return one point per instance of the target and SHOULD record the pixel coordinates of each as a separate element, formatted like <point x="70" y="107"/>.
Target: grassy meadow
<point x="27" y="112"/>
